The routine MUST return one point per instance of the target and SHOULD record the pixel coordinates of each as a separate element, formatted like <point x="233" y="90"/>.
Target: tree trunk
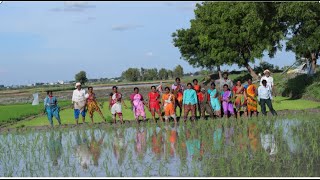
<point x="313" y="62"/>
<point x="252" y="73"/>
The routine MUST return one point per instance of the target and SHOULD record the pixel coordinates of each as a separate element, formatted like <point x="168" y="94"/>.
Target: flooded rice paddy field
<point x="220" y="148"/>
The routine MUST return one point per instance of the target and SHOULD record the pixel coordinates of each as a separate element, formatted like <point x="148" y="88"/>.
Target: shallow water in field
<point x="287" y="147"/>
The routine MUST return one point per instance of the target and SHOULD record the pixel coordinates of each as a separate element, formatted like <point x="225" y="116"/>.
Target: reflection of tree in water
<point x="55" y="147"/>
<point x="140" y="142"/>
<point x="119" y="146"/>
<point x="82" y="149"/>
<point x="95" y="147"/>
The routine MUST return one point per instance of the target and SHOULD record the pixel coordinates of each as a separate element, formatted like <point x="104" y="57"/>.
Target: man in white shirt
<point x="79" y="102"/>
<point x="265" y="97"/>
<point x="268" y="78"/>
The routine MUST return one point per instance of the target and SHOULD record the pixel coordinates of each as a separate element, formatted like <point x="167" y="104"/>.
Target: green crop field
<point x="17" y="112"/>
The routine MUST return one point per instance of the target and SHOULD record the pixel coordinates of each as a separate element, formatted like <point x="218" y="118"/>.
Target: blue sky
<point x="51" y="41"/>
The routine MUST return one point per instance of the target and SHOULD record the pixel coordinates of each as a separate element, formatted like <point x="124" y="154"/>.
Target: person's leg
<point x="263" y="106"/>
<point x="269" y="104"/>
<point x="174" y="118"/>
<point x="102" y="116"/>
<point x="202" y="112"/>
<point x="209" y="110"/>
<point x="57" y="115"/>
<point x="231" y="110"/>
<point x="225" y="109"/>
<point x="114" y="118"/>
<point x="50" y="116"/>
<point x="158" y="110"/>
<point x="143" y="114"/>
<point x="193" y="112"/>
<point x="153" y="114"/>
<point x="76" y="115"/>
<point x="186" y="112"/>
<point x="121" y="117"/>
<point x="83" y="114"/>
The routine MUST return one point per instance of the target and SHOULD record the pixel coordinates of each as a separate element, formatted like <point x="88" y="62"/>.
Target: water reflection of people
<point x="193" y="143"/>
<point x="55" y="147"/>
<point x="268" y="143"/>
<point x="157" y="143"/>
<point x="119" y="146"/>
<point x="95" y="147"/>
<point x="82" y="149"/>
<point x="140" y="142"/>
<point x="253" y="135"/>
<point x="173" y="140"/>
<point x="217" y="137"/>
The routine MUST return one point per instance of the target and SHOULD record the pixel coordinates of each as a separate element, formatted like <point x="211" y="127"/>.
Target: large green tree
<point x="163" y="74"/>
<point x="303" y="22"/>
<point x="178" y="71"/>
<point x="81" y="77"/>
<point x="227" y="33"/>
<point x="131" y="74"/>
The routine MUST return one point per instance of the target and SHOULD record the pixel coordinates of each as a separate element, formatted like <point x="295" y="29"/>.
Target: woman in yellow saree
<point x="252" y="101"/>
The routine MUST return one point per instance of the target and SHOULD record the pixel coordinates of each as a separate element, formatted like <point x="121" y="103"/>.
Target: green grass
<point x="67" y="116"/>
<point x="17" y="112"/>
<point x="283" y="103"/>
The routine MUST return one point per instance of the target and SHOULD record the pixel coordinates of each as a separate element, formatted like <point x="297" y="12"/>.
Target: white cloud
<point x="149" y="54"/>
<point x="73" y="6"/>
<point x="124" y="27"/>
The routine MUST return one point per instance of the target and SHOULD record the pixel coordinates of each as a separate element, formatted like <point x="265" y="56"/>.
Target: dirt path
<point x="130" y="123"/>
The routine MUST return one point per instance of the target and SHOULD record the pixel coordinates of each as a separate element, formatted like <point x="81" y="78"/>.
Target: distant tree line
<point x="144" y="74"/>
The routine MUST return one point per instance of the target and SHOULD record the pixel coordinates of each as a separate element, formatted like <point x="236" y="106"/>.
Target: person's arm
<point x="245" y="95"/>
<point x="259" y="92"/>
<point x="184" y="97"/>
<point x="110" y="100"/>
<point x="73" y="97"/>
<point x="162" y="101"/>
<point x="122" y="101"/>
<point x="220" y="74"/>
<point x="273" y="88"/>
<point x="195" y="96"/>
<point x="270" y="93"/>
<point x="174" y="101"/>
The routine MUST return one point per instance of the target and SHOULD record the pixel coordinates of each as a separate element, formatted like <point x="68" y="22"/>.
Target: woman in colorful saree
<point x="227" y="105"/>
<point x="52" y="108"/>
<point x="92" y="104"/>
<point x="252" y="101"/>
<point x="138" y="103"/>
<point x="240" y="98"/>
<point x="168" y="103"/>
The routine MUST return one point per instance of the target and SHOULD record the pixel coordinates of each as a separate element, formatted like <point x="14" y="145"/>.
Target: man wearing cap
<point x="268" y="78"/>
<point x="79" y="102"/>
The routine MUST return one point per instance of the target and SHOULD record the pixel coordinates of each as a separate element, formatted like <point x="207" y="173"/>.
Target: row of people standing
<point x="192" y="98"/>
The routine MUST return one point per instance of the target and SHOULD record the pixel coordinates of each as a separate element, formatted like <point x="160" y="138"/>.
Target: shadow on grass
<point x="297" y="86"/>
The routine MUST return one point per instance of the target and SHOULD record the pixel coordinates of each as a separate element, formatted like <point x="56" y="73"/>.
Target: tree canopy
<point x="81" y="77"/>
<point x="226" y="33"/>
<point x="303" y="22"/>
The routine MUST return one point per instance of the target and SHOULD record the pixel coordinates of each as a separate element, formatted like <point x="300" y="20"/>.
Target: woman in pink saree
<point x="138" y="103"/>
